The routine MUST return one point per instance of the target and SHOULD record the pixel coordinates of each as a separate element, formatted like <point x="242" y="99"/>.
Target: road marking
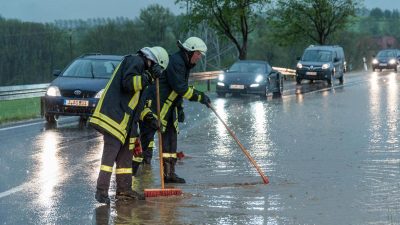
<point x="19" y="126"/>
<point x="13" y="190"/>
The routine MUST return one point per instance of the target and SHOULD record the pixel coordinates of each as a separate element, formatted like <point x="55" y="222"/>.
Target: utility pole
<point x="70" y="44"/>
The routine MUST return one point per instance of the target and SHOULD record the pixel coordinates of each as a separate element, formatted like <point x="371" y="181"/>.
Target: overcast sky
<point x="50" y="10"/>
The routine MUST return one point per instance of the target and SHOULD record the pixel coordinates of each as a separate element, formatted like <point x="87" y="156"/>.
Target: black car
<point x="250" y="77"/>
<point x="386" y="59"/>
<point x="77" y="89"/>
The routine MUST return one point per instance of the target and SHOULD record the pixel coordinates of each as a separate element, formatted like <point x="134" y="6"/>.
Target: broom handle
<point x="160" y="151"/>
<point x="265" y="178"/>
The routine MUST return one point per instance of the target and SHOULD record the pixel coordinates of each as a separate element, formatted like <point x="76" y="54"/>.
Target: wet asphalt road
<point x="332" y="156"/>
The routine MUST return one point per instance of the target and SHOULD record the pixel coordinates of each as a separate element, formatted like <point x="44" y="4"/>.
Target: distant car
<point x="250" y="77"/>
<point x="323" y="62"/>
<point x="77" y="89"/>
<point x="386" y="59"/>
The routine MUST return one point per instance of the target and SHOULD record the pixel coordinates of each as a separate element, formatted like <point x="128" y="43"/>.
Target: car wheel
<point x="51" y="118"/>
<point x="265" y="92"/>
<point x="341" y="79"/>
<point x="298" y="80"/>
<point x="280" y="88"/>
<point x="221" y="94"/>
<point x="331" y="79"/>
<point x="83" y="119"/>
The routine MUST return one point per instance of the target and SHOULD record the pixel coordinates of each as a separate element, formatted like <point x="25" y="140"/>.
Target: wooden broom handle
<point x="160" y="151"/>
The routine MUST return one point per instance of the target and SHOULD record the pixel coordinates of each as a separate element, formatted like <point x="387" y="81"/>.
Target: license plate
<point x="382" y="64"/>
<point x="236" y="86"/>
<point x="83" y="103"/>
<point x="311" y="73"/>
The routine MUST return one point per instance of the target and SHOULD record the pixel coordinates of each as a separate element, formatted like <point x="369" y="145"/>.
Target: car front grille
<point x="77" y="94"/>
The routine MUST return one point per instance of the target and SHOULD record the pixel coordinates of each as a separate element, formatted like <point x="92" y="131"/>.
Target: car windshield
<point x="92" y="68"/>
<point x="386" y="54"/>
<point x="248" y="67"/>
<point x="317" y="56"/>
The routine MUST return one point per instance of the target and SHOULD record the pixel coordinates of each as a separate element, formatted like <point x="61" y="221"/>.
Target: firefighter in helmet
<point x="114" y="118"/>
<point x="174" y="87"/>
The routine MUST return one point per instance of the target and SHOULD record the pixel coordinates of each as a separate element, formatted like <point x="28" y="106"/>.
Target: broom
<point x="265" y="178"/>
<point x="163" y="191"/>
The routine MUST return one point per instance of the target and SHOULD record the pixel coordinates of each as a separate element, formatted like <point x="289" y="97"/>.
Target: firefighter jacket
<point x="174" y="85"/>
<point x="115" y="110"/>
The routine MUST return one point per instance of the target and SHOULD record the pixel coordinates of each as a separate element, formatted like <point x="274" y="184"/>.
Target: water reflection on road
<point x="49" y="175"/>
<point x="381" y="167"/>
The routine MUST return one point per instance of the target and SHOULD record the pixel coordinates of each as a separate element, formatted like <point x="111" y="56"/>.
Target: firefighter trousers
<point x="147" y="140"/>
<point x="169" y="141"/>
<point x="115" y="152"/>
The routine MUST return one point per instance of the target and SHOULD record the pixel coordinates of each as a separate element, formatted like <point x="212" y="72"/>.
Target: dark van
<point x="324" y="62"/>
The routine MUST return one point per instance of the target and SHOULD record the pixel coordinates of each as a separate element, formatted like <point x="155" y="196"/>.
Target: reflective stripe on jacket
<point x="174" y="85"/>
<point x="114" y="111"/>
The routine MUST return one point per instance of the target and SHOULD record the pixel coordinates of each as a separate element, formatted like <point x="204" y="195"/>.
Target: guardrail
<point x="285" y="71"/>
<point x="22" y="91"/>
<point x="38" y="90"/>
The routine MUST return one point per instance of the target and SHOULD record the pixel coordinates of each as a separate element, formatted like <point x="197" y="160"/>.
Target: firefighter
<point x="174" y="86"/>
<point x="113" y="117"/>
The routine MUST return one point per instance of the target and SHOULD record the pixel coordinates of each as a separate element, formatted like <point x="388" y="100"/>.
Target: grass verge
<point x="19" y="109"/>
<point x="202" y="85"/>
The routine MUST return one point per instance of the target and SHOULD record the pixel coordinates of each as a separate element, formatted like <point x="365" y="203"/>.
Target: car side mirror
<point x="56" y="73"/>
<point x="336" y="59"/>
<point x="373" y="56"/>
<point x="298" y="58"/>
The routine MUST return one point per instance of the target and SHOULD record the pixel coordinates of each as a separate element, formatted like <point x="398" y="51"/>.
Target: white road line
<point x="19" y="126"/>
<point x="13" y="190"/>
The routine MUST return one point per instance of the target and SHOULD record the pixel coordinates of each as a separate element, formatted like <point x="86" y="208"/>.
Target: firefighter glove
<point x="156" y="70"/>
<point x="137" y="151"/>
<point x="151" y="121"/>
<point x="205" y="100"/>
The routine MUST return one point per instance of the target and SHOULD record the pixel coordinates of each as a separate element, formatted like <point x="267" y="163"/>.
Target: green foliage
<point x="234" y="19"/>
<point x="312" y="20"/>
<point x="25" y="46"/>
<point x="12" y="110"/>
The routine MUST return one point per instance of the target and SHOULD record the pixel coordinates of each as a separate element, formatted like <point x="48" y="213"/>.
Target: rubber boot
<point x="170" y="175"/>
<point x="129" y="195"/>
<point x="102" y="196"/>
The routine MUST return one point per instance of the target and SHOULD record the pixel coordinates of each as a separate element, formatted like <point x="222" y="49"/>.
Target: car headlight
<point x="299" y="65"/>
<point x="325" y="66"/>
<point x="221" y="77"/>
<point x="259" y="78"/>
<point x="374" y="61"/>
<point x="98" y="95"/>
<point x="392" y="61"/>
<point x="53" y="91"/>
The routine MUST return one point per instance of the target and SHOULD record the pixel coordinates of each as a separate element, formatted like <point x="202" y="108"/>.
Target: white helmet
<point x="194" y="44"/>
<point x="156" y="54"/>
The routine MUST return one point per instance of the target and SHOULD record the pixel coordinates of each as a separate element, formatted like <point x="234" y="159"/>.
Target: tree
<point x="156" y="23"/>
<point x="233" y="18"/>
<point x="376" y="13"/>
<point x="315" y="20"/>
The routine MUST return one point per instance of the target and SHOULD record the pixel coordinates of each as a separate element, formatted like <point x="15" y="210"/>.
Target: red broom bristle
<point x="162" y="192"/>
